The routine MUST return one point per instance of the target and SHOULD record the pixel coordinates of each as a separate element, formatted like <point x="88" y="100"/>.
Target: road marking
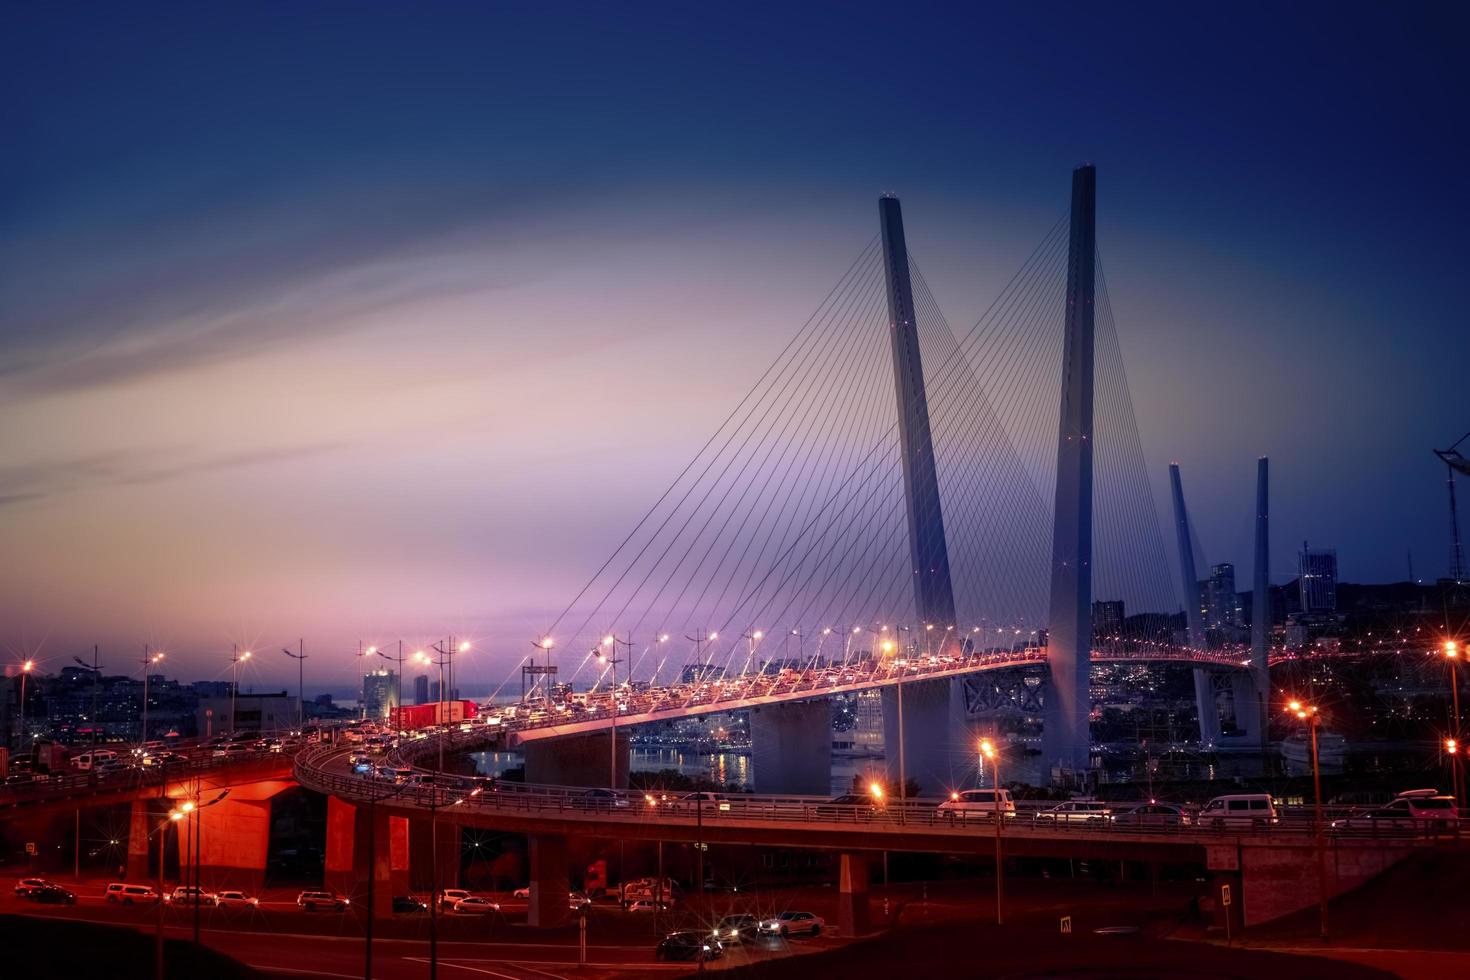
<point x="473" y="969"/>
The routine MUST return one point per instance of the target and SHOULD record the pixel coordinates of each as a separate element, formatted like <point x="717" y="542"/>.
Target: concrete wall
<point x="1278" y="879"/>
<point x="791" y="748"/>
<point x="936" y="740"/>
<point x="577" y="760"/>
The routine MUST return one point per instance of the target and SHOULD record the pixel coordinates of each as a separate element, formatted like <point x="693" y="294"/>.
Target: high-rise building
<point x="379" y="694"/>
<point x="1107" y="618"/>
<point x="1222" y="609"/>
<point x="421" y="689"/>
<point x="1317" y="580"/>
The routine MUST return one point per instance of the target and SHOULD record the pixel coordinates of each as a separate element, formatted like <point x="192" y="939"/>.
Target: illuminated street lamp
<point x="1308" y="713"/>
<point x="902" y="760"/>
<point x="25" y="672"/>
<point x="149" y="659"/>
<point x="610" y="659"/>
<point x="1452" y="654"/>
<point x="992" y="755"/>
<point x="235" y="660"/>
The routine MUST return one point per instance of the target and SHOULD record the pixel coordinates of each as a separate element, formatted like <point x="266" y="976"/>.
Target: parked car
<point x="736" y="928"/>
<point x="26" y="885"/>
<point x="130" y="894"/>
<point x="316" y="901"/>
<point x="1076" y="812"/>
<point x="523" y="892"/>
<point x="235" y="900"/>
<point x="687" y="945"/>
<point x="794" y="923"/>
<point x="977" y="804"/>
<point x="1240" y="810"/>
<point x="405" y="904"/>
<point x="1152" y="815"/>
<point x="189" y="895"/>
<point x="51" y="895"/>
<point x="475" y="905"/>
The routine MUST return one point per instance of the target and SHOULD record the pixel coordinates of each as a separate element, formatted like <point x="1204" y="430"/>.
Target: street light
<point x="149" y="659"/>
<point x="25" y="672"/>
<point x="1452" y="654"/>
<point x="399" y="704"/>
<point x="1308" y="714"/>
<point x="611" y="660"/>
<point x="235" y="661"/>
<point x="992" y="755"/>
<point x="902" y="761"/>
<point x="300" y="657"/>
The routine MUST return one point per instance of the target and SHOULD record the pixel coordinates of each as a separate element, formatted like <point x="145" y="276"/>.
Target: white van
<point x="1239" y="810"/>
<point x="977" y="804"/>
<point x="92" y="759"/>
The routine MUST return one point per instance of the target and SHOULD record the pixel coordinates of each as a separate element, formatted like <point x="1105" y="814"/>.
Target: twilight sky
<point x="371" y="320"/>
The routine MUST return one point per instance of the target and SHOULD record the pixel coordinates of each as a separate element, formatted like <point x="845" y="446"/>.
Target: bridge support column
<point x="549" y="882"/>
<point x="1209" y="709"/>
<point x="425" y="849"/>
<point x="935" y="741"/>
<point x="347" y="858"/>
<point x="1066" y="736"/>
<point x="139" y="826"/>
<point x="233" y="837"/>
<point x="853" y="908"/>
<point x="791" y="748"/>
<point x="1247" y="706"/>
<point x="580" y="760"/>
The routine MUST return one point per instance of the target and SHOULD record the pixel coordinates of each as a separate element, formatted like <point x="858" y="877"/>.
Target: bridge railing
<point x="196" y="761"/>
<point x="326" y="770"/>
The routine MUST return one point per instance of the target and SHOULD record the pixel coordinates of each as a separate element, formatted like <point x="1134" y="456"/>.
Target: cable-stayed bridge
<point x="891" y="495"/>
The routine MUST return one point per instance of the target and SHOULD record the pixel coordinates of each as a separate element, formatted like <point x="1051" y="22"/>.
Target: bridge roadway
<point x="760" y="689"/>
<point x="199" y="768"/>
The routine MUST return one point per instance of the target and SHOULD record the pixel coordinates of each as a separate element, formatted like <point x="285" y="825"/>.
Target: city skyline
<point x="414" y="365"/>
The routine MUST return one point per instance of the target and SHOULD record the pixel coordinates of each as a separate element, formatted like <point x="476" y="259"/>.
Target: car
<point x="475" y="905"/>
<point x="1076" y="812"/>
<point x="603" y="799"/>
<point x="648" y="888"/>
<point x="189" y="895"/>
<point x="976" y="804"/>
<point x="51" y="895"/>
<point x="1408" y="815"/>
<point x="1151" y="815"/>
<point x="130" y="894"/>
<point x="736" y="928"/>
<point x="704" y="800"/>
<point x="403" y="904"/>
<point x="578" y="901"/>
<point x="235" y="900"/>
<point x="687" y="945"/>
<point x="313" y="901"/>
<point x="26" y="885"/>
<point x="1238" y="810"/>
<point x="521" y="892"/>
<point x="792" y="924"/>
<point x="449" y="897"/>
<point x="645" y="905"/>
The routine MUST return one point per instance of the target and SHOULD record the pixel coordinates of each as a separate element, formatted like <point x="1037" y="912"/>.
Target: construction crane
<point x="1455" y="462"/>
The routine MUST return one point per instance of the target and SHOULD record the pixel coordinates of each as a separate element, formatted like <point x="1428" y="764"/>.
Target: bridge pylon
<point x="1066" y="739"/>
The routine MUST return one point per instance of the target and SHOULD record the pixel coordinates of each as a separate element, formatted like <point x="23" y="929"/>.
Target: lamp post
<point x="300" y="657"/>
<point x="544" y="644"/>
<point x="902" y="761"/>
<point x="174" y="816"/>
<point x="1308" y="713"/>
<point x="610" y="659"/>
<point x="235" y="660"/>
<point x="751" y="639"/>
<point x="1452" y="654"/>
<point x="398" y="717"/>
<point x="25" y="672"/>
<point x="992" y="755"/>
<point x="1452" y="749"/>
<point x="149" y="659"/>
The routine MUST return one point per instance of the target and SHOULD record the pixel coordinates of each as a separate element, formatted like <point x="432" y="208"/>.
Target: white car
<point x="450" y="897"/>
<point x="977" y="804"/>
<point x="1076" y="811"/>
<point x="475" y="905"/>
<point x="521" y="892"/>
<point x="235" y="900"/>
<point x="794" y="924"/>
<point x="646" y="905"/>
